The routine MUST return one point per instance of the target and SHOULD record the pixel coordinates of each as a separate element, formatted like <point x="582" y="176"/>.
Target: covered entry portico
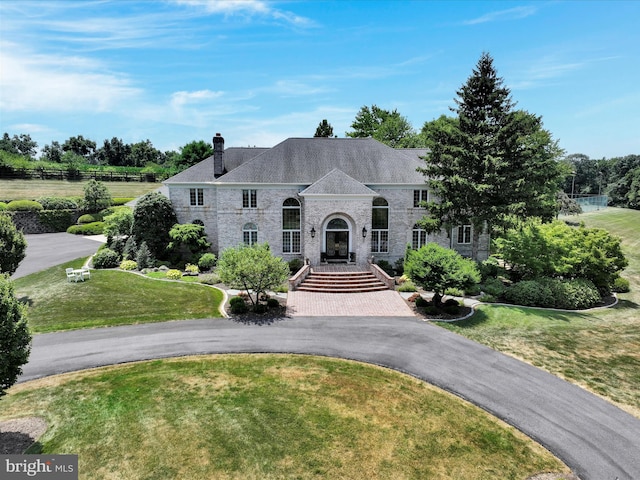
<point x="337" y="240"/>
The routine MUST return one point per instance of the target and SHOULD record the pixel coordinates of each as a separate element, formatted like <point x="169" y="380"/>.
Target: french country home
<point x="322" y="200"/>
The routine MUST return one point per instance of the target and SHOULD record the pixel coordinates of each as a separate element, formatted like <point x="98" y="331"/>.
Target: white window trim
<point x="464" y="232"/>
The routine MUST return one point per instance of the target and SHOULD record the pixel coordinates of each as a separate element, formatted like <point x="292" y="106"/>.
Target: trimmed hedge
<point x="573" y="294"/>
<point x="207" y="261"/>
<point x="106" y="258"/>
<point x="3" y="206"/>
<point x="621" y="285"/>
<point x="87" y="218"/>
<point x="57" y="203"/>
<point x="57" y="220"/>
<point x="24" y="206"/>
<point x="120" y="201"/>
<point x="95" y="228"/>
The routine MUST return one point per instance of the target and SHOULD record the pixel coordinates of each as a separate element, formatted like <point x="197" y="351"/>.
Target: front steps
<point x="341" y="282"/>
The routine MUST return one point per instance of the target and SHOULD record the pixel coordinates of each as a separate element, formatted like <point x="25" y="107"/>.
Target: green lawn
<point x="110" y="297"/>
<point x="269" y="417"/>
<point x="33" y="189"/>
<point x="598" y="350"/>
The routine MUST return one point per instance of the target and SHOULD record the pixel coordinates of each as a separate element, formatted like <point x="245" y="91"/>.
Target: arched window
<point x="291" y="226"/>
<point x="380" y="226"/>
<point x="250" y="234"/>
<point x="419" y="237"/>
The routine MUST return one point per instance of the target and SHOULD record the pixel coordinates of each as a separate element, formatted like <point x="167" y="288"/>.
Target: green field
<point x="269" y="417"/>
<point x="598" y="350"/>
<point x="33" y="189"/>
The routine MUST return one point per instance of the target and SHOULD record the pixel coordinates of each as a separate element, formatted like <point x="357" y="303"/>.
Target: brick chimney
<point x="218" y="155"/>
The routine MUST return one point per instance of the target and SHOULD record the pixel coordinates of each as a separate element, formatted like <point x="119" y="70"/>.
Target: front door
<point x="337" y="245"/>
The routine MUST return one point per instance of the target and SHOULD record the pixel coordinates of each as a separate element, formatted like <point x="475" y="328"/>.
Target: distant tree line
<point x="79" y="151"/>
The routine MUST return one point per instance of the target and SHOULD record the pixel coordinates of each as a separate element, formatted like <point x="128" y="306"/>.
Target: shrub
<point x="386" y="266"/>
<point x="421" y="302"/>
<point x="143" y="256"/>
<point x="210" y="279"/>
<point x="260" y="308"/>
<point x="130" y="247"/>
<point x="106" y="258"/>
<point x="454" y="292"/>
<point x="174" y="274"/>
<point x="128" y="265"/>
<point x="96" y="196"/>
<point x="57" y="220"/>
<point x="530" y="293"/>
<point x="489" y="268"/>
<point x="273" y="303"/>
<point x="87" y="218"/>
<point x="572" y="294"/>
<point x="399" y="266"/>
<point x="621" y="285"/>
<point x="493" y="286"/>
<point x="472" y="291"/>
<point x="451" y="309"/>
<point x="431" y="310"/>
<point x="407" y="286"/>
<point x="13" y="246"/>
<point x="3" y="206"/>
<point x="190" y="268"/>
<point x="487" y="298"/>
<point x="238" y="305"/>
<point x="120" y="201"/>
<point x="451" y="302"/>
<point x="95" y="228"/>
<point x="57" y="203"/>
<point x="207" y="261"/>
<point x="295" y="264"/>
<point x="24" y="206"/>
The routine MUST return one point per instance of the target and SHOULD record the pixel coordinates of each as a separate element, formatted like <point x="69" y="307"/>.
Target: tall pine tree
<point x="490" y="164"/>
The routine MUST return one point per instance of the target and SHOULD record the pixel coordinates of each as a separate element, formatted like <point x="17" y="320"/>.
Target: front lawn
<point x="269" y="417"/>
<point x="110" y="298"/>
<point x="599" y="350"/>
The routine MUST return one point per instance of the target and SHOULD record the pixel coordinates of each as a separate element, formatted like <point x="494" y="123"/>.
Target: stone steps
<point x="341" y="282"/>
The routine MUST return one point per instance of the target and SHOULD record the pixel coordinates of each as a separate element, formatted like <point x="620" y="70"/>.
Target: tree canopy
<point x="490" y="164"/>
<point x="324" y="129"/>
<point x="388" y="127"/>
<point x="194" y="152"/>
<point x="153" y="217"/>
<point x="13" y="245"/>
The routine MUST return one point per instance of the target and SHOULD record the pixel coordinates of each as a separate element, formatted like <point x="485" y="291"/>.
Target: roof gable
<point x="336" y="182"/>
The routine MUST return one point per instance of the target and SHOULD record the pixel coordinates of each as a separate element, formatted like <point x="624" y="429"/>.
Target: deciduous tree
<point x="96" y="196"/>
<point x="15" y="339"/>
<point x="194" y="152"/>
<point x="153" y="217"/>
<point x="13" y="245"/>
<point x="388" y="127"/>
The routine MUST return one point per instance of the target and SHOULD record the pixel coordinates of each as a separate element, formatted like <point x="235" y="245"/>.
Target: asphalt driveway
<point x="596" y="439"/>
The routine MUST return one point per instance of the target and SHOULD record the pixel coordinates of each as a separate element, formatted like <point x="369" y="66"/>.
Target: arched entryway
<point x="337" y="239"/>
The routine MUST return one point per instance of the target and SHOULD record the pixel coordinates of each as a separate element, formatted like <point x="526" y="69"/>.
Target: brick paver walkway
<point x="368" y="304"/>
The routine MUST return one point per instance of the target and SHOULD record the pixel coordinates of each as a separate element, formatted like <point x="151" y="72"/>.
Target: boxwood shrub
<point x="120" y="200"/>
<point x="207" y="261"/>
<point x="57" y="203"/>
<point x="238" y="305"/>
<point x="95" y="228"/>
<point x="24" y="206"/>
<point x="530" y="293"/>
<point x="58" y="220"/>
<point x="3" y="206"/>
<point x="106" y="258"/>
<point x="572" y="294"/>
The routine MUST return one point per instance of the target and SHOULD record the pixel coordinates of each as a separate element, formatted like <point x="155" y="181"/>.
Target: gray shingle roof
<point x="336" y="182"/>
<point x="303" y="161"/>
<point x="306" y="160"/>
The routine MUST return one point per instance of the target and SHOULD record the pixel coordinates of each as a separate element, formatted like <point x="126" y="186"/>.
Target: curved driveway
<point x="596" y="439"/>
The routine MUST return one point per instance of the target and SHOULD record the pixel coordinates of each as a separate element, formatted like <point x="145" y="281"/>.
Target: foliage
<point x="557" y="250"/>
<point x="436" y="269"/>
<point x="119" y="223"/>
<point x="3" y="206"/>
<point x="87" y="218"/>
<point x="57" y="203"/>
<point x="174" y="274"/>
<point x="13" y="245"/>
<point x="273" y="303"/>
<point x="24" y="206"/>
<point x="153" y="217"/>
<point x="143" y="256"/>
<point x="207" y="261"/>
<point x="96" y="196"/>
<point x="493" y="286"/>
<point x="421" y="302"/>
<point x="105" y="258"/>
<point x="80" y="146"/>
<point x="386" y="266"/>
<point x="15" y="339"/>
<point x="19" y="144"/>
<point x="190" y="268"/>
<point x="209" y="279"/>
<point x="128" y="265"/>
<point x="188" y="240"/>
<point x="568" y="206"/>
<point x="57" y="220"/>
<point x="387" y="127"/>
<point x="130" y="248"/>
<point x="193" y="152"/>
<point x="295" y="264"/>
<point x="472" y="157"/>
<point x="94" y="228"/>
<point x="554" y="293"/>
<point x="120" y="201"/>
<point x="398" y="266"/>
<point x="530" y="293"/>
<point x="621" y="285"/>
<point x="324" y="129"/>
<point x="253" y="268"/>
<point x="407" y="286"/>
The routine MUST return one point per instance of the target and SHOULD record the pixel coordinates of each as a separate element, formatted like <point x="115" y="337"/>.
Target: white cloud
<point x="503" y="15"/>
<point x="247" y="7"/>
<point x="182" y="98"/>
<point x="53" y="83"/>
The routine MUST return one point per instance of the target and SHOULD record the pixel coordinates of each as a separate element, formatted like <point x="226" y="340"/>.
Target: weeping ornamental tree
<point x="490" y="165"/>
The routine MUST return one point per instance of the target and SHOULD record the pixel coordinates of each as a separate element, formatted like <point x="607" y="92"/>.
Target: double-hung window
<point x="419" y="237"/>
<point x="291" y="226"/>
<point x="250" y="234"/>
<point x="419" y="196"/>
<point x="380" y="226"/>
<point x="249" y="199"/>
<point x="464" y="234"/>
<point x="196" y="196"/>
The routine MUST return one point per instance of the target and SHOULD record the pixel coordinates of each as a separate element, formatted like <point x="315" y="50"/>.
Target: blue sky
<point x="259" y="72"/>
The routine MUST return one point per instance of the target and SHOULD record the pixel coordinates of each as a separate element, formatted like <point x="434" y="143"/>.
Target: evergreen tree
<point x="491" y="164"/>
<point x="324" y="129"/>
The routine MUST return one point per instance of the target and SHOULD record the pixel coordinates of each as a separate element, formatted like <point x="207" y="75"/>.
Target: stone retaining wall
<point x="36" y="222"/>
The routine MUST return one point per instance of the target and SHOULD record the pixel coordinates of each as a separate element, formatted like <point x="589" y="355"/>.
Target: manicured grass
<point x="108" y="298"/>
<point x="269" y="417"/>
<point x="33" y="189"/>
<point x="598" y="350"/>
